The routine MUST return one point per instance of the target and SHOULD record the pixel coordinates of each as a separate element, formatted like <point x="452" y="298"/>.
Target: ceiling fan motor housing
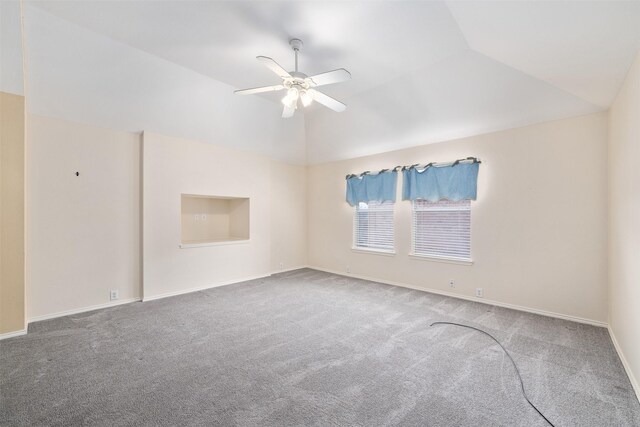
<point x="298" y="80"/>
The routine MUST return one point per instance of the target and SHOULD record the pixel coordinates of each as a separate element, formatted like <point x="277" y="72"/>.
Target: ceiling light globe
<point x="305" y="98"/>
<point x="293" y="93"/>
<point x="290" y="101"/>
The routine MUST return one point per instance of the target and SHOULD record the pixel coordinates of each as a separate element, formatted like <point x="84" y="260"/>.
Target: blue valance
<point x="455" y="182"/>
<point x="379" y="187"/>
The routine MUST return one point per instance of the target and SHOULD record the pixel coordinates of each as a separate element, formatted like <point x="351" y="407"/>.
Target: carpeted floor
<point x="311" y="348"/>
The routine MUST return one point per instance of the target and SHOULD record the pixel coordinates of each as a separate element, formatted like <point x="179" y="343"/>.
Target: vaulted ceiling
<point x="423" y="72"/>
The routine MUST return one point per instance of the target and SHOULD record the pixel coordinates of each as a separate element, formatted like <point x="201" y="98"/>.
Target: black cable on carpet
<point x="510" y="358"/>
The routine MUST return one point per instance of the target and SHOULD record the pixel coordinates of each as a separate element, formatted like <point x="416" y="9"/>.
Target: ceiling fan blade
<point x="288" y="112"/>
<point x="273" y="66"/>
<point x="258" y="90"/>
<point x="330" y="77"/>
<point x="326" y="100"/>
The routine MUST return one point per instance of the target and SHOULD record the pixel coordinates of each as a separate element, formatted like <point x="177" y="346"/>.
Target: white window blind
<point x="442" y="229"/>
<point x="373" y="226"/>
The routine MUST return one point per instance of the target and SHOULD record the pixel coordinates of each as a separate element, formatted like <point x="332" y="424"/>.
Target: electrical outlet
<point x="281" y="265"/>
<point x="479" y="292"/>
<point x="204" y="217"/>
<point x="196" y="217"/>
<point x="452" y="284"/>
<point x="113" y="295"/>
<point x="348" y="269"/>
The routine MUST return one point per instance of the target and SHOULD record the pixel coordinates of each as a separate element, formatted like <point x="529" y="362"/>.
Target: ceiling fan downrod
<point x="296" y="44"/>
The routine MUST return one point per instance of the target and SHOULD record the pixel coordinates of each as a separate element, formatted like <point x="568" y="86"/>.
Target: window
<point x="442" y="229"/>
<point x="373" y="226"/>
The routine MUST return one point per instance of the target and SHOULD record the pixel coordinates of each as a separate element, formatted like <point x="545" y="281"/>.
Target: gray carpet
<point x="310" y="348"/>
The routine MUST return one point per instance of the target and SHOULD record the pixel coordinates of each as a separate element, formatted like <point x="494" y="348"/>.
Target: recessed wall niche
<point x="210" y="220"/>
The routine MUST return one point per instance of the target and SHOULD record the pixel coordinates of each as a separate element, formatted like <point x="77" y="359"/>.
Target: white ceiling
<point x="584" y="47"/>
<point x="376" y="41"/>
<point x="78" y="75"/>
<point x="422" y="71"/>
<point x="465" y="94"/>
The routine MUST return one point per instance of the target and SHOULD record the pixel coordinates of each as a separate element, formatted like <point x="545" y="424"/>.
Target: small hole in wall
<point x="77" y="173"/>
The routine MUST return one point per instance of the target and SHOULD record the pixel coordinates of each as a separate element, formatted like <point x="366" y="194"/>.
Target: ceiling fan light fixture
<point x="290" y="101"/>
<point x="305" y="98"/>
<point x="293" y="92"/>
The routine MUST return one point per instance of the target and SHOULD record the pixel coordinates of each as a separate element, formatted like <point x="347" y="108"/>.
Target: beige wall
<point x="288" y="216"/>
<point x="174" y="166"/>
<point x="12" y="244"/>
<point x="624" y="223"/>
<point x="84" y="231"/>
<point x="539" y="226"/>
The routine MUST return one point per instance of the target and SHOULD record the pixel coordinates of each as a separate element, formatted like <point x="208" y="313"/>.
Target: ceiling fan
<point x="299" y="86"/>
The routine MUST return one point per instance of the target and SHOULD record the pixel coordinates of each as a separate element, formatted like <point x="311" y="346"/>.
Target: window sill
<point x="188" y="245"/>
<point x="383" y="252"/>
<point x="447" y="260"/>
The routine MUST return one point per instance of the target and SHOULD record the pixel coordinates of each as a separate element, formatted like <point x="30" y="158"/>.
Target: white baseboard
<point x="357" y="276"/>
<point x="127" y="301"/>
<point x="81" y="310"/>
<point x="627" y="367"/>
<point x="228" y="282"/>
<point x="289" y="269"/>
<point x="468" y="298"/>
<point x="202" y="288"/>
<point x="12" y="334"/>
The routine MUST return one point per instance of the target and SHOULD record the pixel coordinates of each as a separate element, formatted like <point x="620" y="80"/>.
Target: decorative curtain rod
<point x="416" y="166"/>
<point x="351" y="175"/>
<point x="419" y="166"/>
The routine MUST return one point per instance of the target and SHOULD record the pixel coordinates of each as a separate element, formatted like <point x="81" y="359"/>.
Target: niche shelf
<point x="213" y="220"/>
